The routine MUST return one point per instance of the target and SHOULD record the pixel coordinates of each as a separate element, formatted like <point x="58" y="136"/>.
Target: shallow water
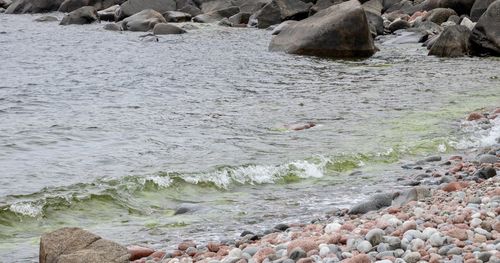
<point x="104" y="131"/>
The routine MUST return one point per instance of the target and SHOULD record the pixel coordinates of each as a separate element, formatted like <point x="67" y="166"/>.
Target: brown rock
<point x="137" y="252"/>
<point x="451" y="187"/>
<point x="305" y="260"/>
<point x="158" y="254"/>
<point x="71" y="244"/>
<point x="475" y="116"/>
<point x="458" y="233"/>
<point x="186" y="244"/>
<point x="213" y="246"/>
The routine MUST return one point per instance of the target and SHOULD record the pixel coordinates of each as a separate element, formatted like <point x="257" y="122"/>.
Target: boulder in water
<point x="340" y="31"/>
<point x="240" y="19"/>
<point x="132" y="7"/>
<point x="71" y="244"/>
<point x="452" y="42"/>
<point x="374" y="203"/>
<point x="81" y="16"/>
<point x="143" y="21"/>
<point x="439" y="15"/>
<point x="109" y="14"/>
<point x="485" y="37"/>
<point x="167" y="29"/>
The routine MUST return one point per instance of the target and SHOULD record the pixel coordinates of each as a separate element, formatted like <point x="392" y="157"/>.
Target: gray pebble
<point x="364" y="246"/>
<point x="412" y="257"/>
<point x="375" y="236"/>
<point x="297" y="254"/>
<point x="455" y="251"/>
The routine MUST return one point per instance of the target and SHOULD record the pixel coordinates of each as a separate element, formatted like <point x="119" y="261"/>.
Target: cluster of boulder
<point x="331" y="28"/>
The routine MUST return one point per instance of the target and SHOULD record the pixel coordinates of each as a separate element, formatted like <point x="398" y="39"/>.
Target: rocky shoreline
<point x="451" y="214"/>
<point x="325" y="28"/>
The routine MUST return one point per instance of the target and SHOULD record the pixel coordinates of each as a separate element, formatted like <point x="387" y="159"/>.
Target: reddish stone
<point x="455" y="158"/>
<point x="393" y="210"/>
<point x="348" y="227"/>
<point x="458" y="233"/>
<point x="263" y="254"/>
<point x="176" y="253"/>
<point x="137" y="252"/>
<point x="223" y="251"/>
<point x="435" y="258"/>
<point x="186" y="244"/>
<point x="343" y="240"/>
<point x="408" y="225"/>
<point x="312" y="252"/>
<point x="306" y="244"/>
<point x="333" y="239"/>
<point x="361" y="258"/>
<point x="213" y="246"/>
<point x="475" y="116"/>
<point x="158" y="254"/>
<point x="451" y="187"/>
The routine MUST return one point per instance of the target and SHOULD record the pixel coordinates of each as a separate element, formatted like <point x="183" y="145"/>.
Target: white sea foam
<point x="479" y="134"/>
<point x="27" y="209"/>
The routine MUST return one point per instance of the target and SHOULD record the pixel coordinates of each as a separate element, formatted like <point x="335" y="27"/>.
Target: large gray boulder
<point x="143" y="21"/>
<point x="250" y="6"/>
<point x="376" y="202"/>
<point x="5" y="3"/>
<point x="75" y="245"/>
<point x="373" y="11"/>
<point x="485" y="37"/>
<point x="216" y="16"/>
<point x="109" y="14"/>
<point x="453" y="42"/>
<point x="340" y="31"/>
<point x="278" y="11"/>
<point x="176" y="16"/>
<point x="132" y="7"/>
<point x="214" y="5"/>
<point x="462" y="7"/>
<point x="33" y="6"/>
<point x="479" y="8"/>
<point x="71" y="5"/>
<point x="81" y="16"/>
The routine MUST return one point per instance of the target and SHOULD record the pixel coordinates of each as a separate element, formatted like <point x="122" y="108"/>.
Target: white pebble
<point x="475" y="222"/>
<point x="332" y="228"/>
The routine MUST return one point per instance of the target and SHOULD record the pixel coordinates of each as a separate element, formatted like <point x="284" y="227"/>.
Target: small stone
<point x="281" y="227"/>
<point x="137" y="252"/>
<point x="332" y="228"/>
<point x="262" y="254"/>
<point x="250" y="250"/>
<point x="306" y="244"/>
<point x="408" y="225"/>
<point x="235" y="252"/>
<point x="475" y="222"/>
<point x="433" y="159"/>
<point x="436" y="240"/>
<point x="364" y="246"/>
<point x="475" y="116"/>
<point x="417" y="244"/>
<point x="458" y="233"/>
<point x="484" y="256"/>
<point x="323" y="251"/>
<point x="297" y="254"/>
<point x="487" y="158"/>
<point x="455" y="251"/>
<point x="213" y="246"/>
<point x="186" y="244"/>
<point x="412" y="257"/>
<point x="375" y="236"/>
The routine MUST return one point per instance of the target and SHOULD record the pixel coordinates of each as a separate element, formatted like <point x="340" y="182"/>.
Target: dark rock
<point x="246" y="232"/>
<point x="453" y="42"/>
<point x="240" y="19"/>
<point x="46" y="19"/>
<point x="68" y="245"/>
<point x="433" y="159"/>
<point x="454" y="18"/>
<point x="297" y="254"/>
<point x="216" y="16"/>
<point x="281" y="227"/>
<point x="109" y="14"/>
<point x="192" y="10"/>
<point x="398" y="24"/>
<point x="374" y="203"/>
<point x="479" y="8"/>
<point x="167" y="29"/>
<point x="143" y="21"/>
<point x="338" y="31"/>
<point x="131" y="7"/>
<point x="428" y="27"/>
<point x="462" y="7"/>
<point x="137" y="252"/>
<point x="486" y="173"/>
<point x="81" y="16"/>
<point x="149" y="38"/>
<point x="176" y="16"/>
<point x="33" y="6"/>
<point x="439" y="15"/>
<point x="485" y="37"/>
<point x="488" y="158"/>
<point x="5" y="3"/>
<point x="373" y="11"/>
<point x="280" y="10"/>
<point x="225" y="22"/>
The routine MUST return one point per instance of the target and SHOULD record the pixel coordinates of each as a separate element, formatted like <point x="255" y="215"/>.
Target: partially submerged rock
<point x="71" y="244"/>
<point x="374" y="203"/>
<point x="453" y="42"/>
<point x="278" y="11"/>
<point x="46" y="19"/>
<point x="216" y="16"/>
<point x="176" y="16"/>
<point x="340" y="31"/>
<point x="167" y="29"/>
<point x="143" y="21"/>
<point x="81" y="16"/>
